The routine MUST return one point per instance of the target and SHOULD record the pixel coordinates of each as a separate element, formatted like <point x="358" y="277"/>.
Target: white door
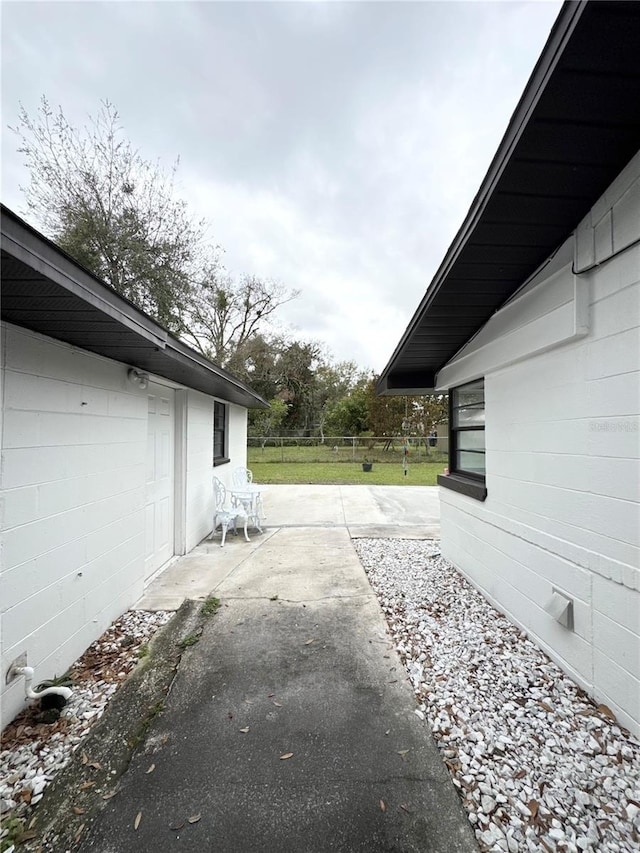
<point x="159" y="488"/>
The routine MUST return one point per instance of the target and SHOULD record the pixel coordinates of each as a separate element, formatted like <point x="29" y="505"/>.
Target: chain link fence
<point x="417" y="449"/>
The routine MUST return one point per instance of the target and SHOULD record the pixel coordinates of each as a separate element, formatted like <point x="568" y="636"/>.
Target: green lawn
<point x="345" y="473"/>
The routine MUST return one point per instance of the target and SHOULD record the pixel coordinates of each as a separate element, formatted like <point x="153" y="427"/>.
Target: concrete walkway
<point x="407" y="512"/>
<point x="290" y="725"/>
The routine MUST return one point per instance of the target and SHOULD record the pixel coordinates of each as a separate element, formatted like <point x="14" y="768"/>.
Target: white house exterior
<point x="103" y="481"/>
<point x="541" y="508"/>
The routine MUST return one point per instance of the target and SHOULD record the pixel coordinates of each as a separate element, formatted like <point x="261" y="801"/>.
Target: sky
<point x="334" y="147"/>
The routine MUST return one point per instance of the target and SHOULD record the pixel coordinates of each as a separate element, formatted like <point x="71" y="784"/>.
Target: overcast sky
<point x="333" y="146"/>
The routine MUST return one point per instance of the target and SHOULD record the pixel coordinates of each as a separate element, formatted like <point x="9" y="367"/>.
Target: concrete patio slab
<point x="304" y="519"/>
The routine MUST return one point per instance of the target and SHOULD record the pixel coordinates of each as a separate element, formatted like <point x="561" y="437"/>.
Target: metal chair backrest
<point x="241" y="476"/>
<point x="219" y="493"/>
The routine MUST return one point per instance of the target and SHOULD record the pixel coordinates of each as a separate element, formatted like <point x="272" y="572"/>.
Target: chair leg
<point x="246" y="535"/>
<point x="225" y="525"/>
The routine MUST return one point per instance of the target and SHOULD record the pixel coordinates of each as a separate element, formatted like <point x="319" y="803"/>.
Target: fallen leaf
<point x="26" y="836"/>
<point x="85" y="758"/>
<point x="244" y="730"/>
<point x="270" y="695"/>
<point x="194" y="818"/>
<point x="78" y="834"/>
<point x="109" y="795"/>
<point x="86" y="785"/>
<point x="405" y="808"/>
<point x="176" y="826"/>
<point x="520" y="774"/>
<point x="308" y="643"/>
<point x="546" y="707"/>
<point x="136" y="822"/>
<point x="403" y="754"/>
<point x="286" y="755"/>
<point x="532" y="805"/>
<point x="152" y="767"/>
<point x="32" y="822"/>
<point x="278" y="704"/>
<point x="78" y="810"/>
<point x="604" y="709"/>
<point x="95" y="765"/>
<point x="382" y="806"/>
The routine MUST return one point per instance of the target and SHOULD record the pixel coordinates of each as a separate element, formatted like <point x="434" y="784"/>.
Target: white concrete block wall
<point x="73" y="471"/>
<point x="563" y="476"/>
<point x="237" y="439"/>
<point x="199" y="467"/>
<point x="200" y="470"/>
<point x="74" y="445"/>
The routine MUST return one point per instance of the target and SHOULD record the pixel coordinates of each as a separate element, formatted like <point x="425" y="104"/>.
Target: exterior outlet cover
<point x="18" y="663"/>
<point x="561" y="609"/>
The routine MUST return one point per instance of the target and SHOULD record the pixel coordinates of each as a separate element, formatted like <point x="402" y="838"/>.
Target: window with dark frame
<point x="219" y="433"/>
<point x="467" y="447"/>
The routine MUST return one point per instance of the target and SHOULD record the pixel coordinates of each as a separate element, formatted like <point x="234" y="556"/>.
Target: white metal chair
<point x="224" y="516"/>
<point x="241" y="477"/>
<point x="248" y="493"/>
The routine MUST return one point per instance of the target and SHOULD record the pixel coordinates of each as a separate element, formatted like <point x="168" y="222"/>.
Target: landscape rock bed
<point x="539" y="767"/>
<point x="33" y="752"/>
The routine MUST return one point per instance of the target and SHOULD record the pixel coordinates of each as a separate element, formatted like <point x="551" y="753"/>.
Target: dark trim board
<point x="46" y="291"/>
<point x="463" y="486"/>
<point x="575" y="128"/>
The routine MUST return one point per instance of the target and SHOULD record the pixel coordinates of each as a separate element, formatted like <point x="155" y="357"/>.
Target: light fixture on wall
<point x="137" y="377"/>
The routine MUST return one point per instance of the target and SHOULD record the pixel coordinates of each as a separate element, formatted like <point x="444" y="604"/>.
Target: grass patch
<point x="189" y="640"/>
<point x="345" y="473"/>
<point x="210" y="606"/>
<point x="14" y="828"/>
<point x="150" y="716"/>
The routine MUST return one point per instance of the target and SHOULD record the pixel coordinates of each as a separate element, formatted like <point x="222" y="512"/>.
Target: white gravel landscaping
<point x="539" y="767"/>
<point x="33" y="752"/>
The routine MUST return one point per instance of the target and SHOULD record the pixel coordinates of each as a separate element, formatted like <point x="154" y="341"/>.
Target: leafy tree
<point x="112" y="210"/>
<point x="296" y="366"/>
<point x="223" y="316"/>
<point x="266" y="422"/>
<point x="405" y="415"/>
<point x="348" y="415"/>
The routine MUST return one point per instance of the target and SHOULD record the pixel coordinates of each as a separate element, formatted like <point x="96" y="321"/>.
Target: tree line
<point x="118" y="215"/>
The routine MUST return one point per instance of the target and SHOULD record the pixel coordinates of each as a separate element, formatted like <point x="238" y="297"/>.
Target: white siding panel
<point x="563" y="465"/>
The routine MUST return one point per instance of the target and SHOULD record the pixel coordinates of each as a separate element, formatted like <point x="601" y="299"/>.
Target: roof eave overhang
<point x="436" y="330"/>
<point x="95" y="318"/>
